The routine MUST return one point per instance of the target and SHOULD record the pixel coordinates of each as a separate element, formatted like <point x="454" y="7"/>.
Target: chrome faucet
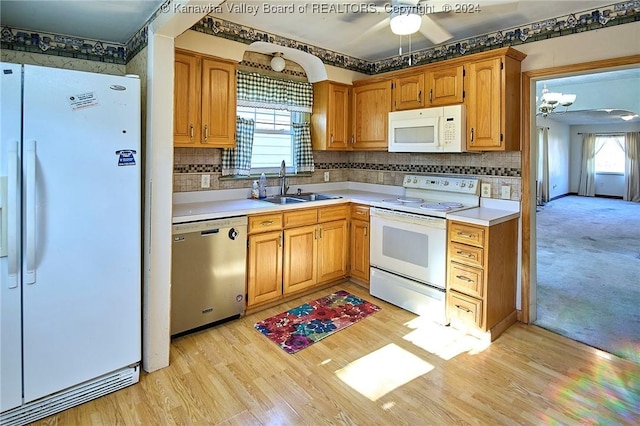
<point x="284" y="186"/>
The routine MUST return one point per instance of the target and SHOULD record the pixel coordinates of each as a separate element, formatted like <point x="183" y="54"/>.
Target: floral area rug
<point x="306" y="324"/>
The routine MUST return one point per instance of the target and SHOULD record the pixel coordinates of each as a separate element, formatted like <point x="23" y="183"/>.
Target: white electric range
<point x="409" y="241"/>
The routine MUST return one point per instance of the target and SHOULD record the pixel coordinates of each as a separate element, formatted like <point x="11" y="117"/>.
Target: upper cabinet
<point x="408" y="91"/>
<point x="493" y="102"/>
<point x="204" y="101"/>
<point x="330" y="119"/>
<point x="445" y="86"/>
<point x="370" y="109"/>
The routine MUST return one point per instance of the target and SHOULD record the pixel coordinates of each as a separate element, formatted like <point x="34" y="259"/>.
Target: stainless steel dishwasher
<point x="208" y="271"/>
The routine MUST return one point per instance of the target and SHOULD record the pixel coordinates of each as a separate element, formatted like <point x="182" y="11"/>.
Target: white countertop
<point x="191" y="207"/>
<point x="206" y="205"/>
<point x="491" y="212"/>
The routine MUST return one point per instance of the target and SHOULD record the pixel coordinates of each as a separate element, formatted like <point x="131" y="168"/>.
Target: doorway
<point x="530" y="261"/>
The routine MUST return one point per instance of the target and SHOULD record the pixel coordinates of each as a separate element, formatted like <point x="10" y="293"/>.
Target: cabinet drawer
<point x="465" y="309"/>
<point x="360" y="212"/>
<point x="466" y="234"/>
<point x="466" y="280"/>
<point x="300" y="217"/>
<point x="263" y="223"/>
<point x="468" y="255"/>
<point x="328" y="214"/>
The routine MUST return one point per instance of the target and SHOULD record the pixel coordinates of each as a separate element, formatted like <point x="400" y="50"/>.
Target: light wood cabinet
<point x="331" y="116"/>
<point x="408" y="91"/>
<point x="493" y="103"/>
<point x="204" y="101"/>
<point x="445" y="86"/>
<point x="370" y="108"/>
<point x="359" y="250"/>
<point x="295" y="250"/>
<point x="481" y="283"/>
<point x="264" y="260"/>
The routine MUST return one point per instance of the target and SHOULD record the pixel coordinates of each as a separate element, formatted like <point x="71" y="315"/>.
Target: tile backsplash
<point x="496" y="168"/>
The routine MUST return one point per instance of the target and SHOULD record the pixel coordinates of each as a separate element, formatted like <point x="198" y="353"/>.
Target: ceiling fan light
<point x="405" y="23"/>
<point x="277" y="62"/>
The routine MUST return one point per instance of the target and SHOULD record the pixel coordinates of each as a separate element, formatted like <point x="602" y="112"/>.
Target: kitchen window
<point x="272" y="139"/>
<point x="609" y="156"/>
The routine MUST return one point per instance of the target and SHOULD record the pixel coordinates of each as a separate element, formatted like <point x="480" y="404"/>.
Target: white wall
<point x="605" y="184"/>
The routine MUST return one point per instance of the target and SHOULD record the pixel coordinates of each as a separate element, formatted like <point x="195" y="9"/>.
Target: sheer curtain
<point x="587" y="184"/>
<point x="543" y="166"/>
<point x="632" y="167"/>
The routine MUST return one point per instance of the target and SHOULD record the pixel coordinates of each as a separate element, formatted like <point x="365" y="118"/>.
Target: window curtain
<point x="237" y="161"/>
<point x="260" y="91"/>
<point x="587" y="184"/>
<point x="543" y="166"/>
<point x="303" y="154"/>
<point x="632" y="167"/>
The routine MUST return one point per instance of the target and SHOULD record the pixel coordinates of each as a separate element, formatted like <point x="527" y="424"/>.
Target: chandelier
<point x="549" y="101"/>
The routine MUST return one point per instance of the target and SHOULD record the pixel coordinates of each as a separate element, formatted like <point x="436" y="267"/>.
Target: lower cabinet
<point x="359" y="253"/>
<point x="481" y="284"/>
<point x="309" y="248"/>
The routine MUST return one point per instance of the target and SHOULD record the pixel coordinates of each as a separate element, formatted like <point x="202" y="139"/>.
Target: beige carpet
<point x="589" y="272"/>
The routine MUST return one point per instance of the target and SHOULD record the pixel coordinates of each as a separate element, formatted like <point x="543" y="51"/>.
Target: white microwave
<point x="437" y="129"/>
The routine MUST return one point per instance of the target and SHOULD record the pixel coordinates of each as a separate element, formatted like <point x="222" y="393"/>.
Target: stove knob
<point x="445" y="183"/>
<point x="462" y="185"/>
<point x="415" y="180"/>
<point x="470" y="185"/>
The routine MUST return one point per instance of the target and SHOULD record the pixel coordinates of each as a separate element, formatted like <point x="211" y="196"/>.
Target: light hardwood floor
<point x="388" y="369"/>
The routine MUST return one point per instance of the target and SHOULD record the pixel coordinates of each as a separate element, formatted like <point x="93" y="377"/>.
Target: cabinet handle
<point x="431" y="96"/>
<point x="465" y="254"/>
<point x="462" y="308"/>
<point x="464" y="234"/>
<point x="366" y="229"/>
<point x="463" y="278"/>
<point x="206" y="132"/>
<point x="191" y="131"/>
<point x="472" y="135"/>
<point x="316" y="234"/>
<point x="420" y="97"/>
<point x="331" y="139"/>
<point x="360" y="213"/>
<point x="353" y="140"/>
<point x="320" y="233"/>
<point x="280" y="241"/>
<point x="266" y="223"/>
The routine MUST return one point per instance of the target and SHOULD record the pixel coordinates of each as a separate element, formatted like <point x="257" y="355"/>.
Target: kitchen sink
<point x="299" y="198"/>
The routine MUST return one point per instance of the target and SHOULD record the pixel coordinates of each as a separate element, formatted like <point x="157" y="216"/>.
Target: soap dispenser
<point x="262" y="192"/>
<point x="255" y="191"/>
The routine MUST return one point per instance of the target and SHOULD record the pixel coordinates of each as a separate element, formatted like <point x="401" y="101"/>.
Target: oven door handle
<point x="390" y="215"/>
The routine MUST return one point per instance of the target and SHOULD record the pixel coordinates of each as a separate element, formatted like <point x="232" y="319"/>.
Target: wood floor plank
<point x="233" y="375"/>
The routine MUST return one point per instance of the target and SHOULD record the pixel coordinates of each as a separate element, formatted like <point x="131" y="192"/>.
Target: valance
<point x="260" y="91"/>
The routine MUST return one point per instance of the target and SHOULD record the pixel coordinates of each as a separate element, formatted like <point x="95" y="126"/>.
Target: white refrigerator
<point x="70" y="240"/>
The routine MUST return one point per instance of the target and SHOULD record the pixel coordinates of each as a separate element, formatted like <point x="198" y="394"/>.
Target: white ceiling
<point x="333" y="25"/>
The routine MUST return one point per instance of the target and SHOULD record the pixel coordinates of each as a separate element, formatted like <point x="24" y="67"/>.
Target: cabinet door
<point x="360" y="250"/>
<point x="332" y="250"/>
<point x="264" y="271"/>
<point x="483" y="105"/>
<point x="300" y="253"/>
<point x="408" y="92"/>
<point x="186" y="100"/>
<point x="445" y="86"/>
<point x="371" y="106"/>
<point x="218" y="104"/>
<point x="338" y="117"/>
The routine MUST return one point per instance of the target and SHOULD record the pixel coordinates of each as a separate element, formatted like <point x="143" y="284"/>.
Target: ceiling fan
<point x="407" y="17"/>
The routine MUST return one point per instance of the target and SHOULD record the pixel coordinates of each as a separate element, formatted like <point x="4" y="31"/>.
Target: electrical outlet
<point x="380" y="177"/>
<point x="326" y="176"/>
<point x="486" y="190"/>
<point x="505" y="192"/>
<point x="205" y="181"/>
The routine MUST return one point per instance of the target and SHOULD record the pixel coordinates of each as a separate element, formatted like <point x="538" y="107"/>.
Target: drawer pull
<point x="463" y="278"/>
<point x="462" y="308"/>
<point x="360" y="213"/>
<point x="266" y="223"/>
<point x="466" y="235"/>
<point x="465" y="254"/>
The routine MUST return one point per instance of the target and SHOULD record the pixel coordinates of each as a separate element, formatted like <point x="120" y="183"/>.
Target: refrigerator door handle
<point x="30" y="212"/>
<point x="10" y="210"/>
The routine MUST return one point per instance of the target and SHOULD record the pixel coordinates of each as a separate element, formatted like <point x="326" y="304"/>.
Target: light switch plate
<point x="486" y="190"/>
<point x="326" y="176"/>
<point x="206" y="181"/>
<point x="505" y="192"/>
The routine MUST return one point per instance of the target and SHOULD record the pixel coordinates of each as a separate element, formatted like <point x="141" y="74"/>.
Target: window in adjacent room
<point x="609" y="154"/>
